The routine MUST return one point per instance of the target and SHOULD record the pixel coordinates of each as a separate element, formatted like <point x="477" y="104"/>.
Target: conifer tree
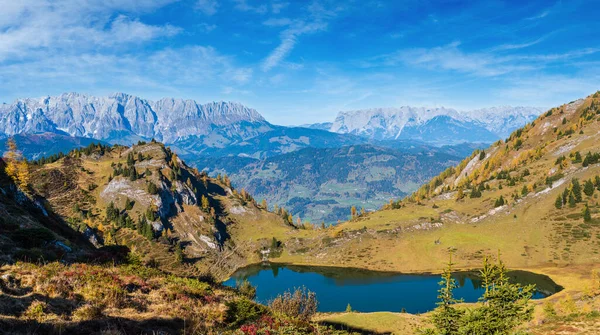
<point x="572" y="201"/>
<point x="587" y="216"/>
<point x="178" y="253"/>
<point x="525" y="190"/>
<point x="559" y="202"/>
<point x="576" y="189"/>
<point x="588" y="188"/>
<point x="446" y="318"/>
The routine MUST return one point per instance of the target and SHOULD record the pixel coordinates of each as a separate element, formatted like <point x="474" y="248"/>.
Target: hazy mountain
<point x="320" y="126"/>
<point x="435" y="125"/>
<point x="34" y="146"/>
<point x="279" y="140"/>
<point x="321" y="184"/>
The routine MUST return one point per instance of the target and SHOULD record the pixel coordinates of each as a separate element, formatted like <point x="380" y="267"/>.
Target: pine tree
<point x="353" y="211"/>
<point x="565" y="196"/>
<point x="263" y="204"/>
<point x="130" y="159"/>
<point x="482" y="155"/>
<point x="588" y="188"/>
<point x="446" y="318"/>
<point x="576" y="189"/>
<point x="499" y="202"/>
<point x="504" y="305"/>
<point x="524" y="190"/>
<point x="152" y="188"/>
<point x="559" y="202"/>
<point x="178" y="253"/>
<point x="572" y="201"/>
<point x="587" y="216"/>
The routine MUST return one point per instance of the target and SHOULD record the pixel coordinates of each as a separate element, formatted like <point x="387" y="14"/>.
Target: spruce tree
<point x="178" y="253"/>
<point x="572" y="201"/>
<point x="504" y="306"/>
<point x="587" y="216"/>
<point x="559" y="202"/>
<point x="565" y="196"/>
<point x="588" y="188"/>
<point x="576" y="189"/>
<point x="446" y="318"/>
<point x="524" y="190"/>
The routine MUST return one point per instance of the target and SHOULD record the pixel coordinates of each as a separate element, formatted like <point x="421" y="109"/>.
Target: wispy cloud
<point x="53" y="27"/>
<point x="541" y="15"/>
<point x="480" y="63"/>
<point x="244" y="6"/>
<point x="208" y="7"/>
<point x="316" y="20"/>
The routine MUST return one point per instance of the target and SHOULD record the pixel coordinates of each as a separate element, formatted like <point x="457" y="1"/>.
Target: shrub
<point x="35" y="311"/>
<point x="243" y="311"/>
<point x="88" y="312"/>
<point x="246" y="289"/>
<point x="300" y="305"/>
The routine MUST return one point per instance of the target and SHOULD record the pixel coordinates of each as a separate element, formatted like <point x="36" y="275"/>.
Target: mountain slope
<point x="513" y="210"/>
<point x="162" y="205"/>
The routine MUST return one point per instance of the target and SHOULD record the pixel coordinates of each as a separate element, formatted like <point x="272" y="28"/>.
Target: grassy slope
<point x="70" y="181"/>
<point x="529" y="232"/>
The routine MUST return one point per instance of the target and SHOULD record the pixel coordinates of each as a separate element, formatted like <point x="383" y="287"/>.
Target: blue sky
<point x="303" y="61"/>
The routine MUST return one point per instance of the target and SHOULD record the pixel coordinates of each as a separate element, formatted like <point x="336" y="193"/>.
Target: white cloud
<point x="164" y="70"/>
<point x="242" y="5"/>
<point x="73" y="26"/>
<point x="316" y="20"/>
<point x="124" y="29"/>
<point x="484" y="64"/>
<point x="208" y="7"/>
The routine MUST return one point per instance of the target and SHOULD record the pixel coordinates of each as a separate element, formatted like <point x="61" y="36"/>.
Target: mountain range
<point x="228" y="137"/>
<point x="433" y="125"/>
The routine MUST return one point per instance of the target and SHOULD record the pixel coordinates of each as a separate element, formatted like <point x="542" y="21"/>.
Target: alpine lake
<point x="371" y="291"/>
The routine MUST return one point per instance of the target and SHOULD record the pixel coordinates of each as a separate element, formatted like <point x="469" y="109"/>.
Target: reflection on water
<point x="369" y="291"/>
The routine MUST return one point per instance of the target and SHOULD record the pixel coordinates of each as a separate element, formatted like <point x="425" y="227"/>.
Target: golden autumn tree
<point x="353" y="211"/>
<point x="16" y="166"/>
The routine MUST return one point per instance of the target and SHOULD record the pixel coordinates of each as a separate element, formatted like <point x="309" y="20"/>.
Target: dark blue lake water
<point x="370" y="291"/>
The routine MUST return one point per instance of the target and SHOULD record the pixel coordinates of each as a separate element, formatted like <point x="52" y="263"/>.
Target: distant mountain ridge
<point x="123" y="118"/>
<point x="481" y="125"/>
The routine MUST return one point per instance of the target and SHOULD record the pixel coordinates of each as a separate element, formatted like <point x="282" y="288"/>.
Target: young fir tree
<point x="565" y="196"/>
<point x="446" y="318"/>
<point x="559" y="202"/>
<point x="178" y="253"/>
<point x="504" y="305"/>
<point x="588" y="188"/>
<point x="524" y="190"/>
<point x="576" y="189"/>
<point x="587" y="216"/>
<point x="499" y="202"/>
<point x="572" y="201"/>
